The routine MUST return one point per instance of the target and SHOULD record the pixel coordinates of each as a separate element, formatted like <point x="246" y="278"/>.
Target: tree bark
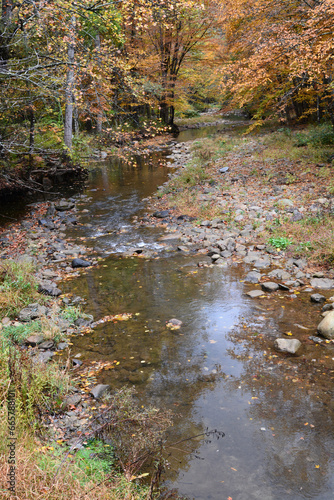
<point x="68" y="120"/>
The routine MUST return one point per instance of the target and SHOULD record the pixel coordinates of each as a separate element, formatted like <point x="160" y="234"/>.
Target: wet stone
<point x="64" y="205"/>
<point x="48" y="287"/>
<point x="32" y="311"/>
<point x="43" y="357"/>
<point x="72" y="400"/>
<point x="323" y="283"/>
<point x="270" y="286"/>
<point x="326" y="326"/>
<point x="34" y="340"/>
<point x="47" y="344"/>
<point x="290" y="346"/>
<point x="317" y="298"/>
<point x="99" y="390"/>
<point x="80" y="263"/>
<point x="255" y="294"/>
<point x="161" y="214"/>
<point x="327" y="307"/>
<point x="279" y="274"/>
<point x="262" y="263"/>
<point x="253" y="277"/>
<point x="62" y="345"/>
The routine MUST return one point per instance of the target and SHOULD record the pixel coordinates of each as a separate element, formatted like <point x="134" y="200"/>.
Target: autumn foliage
<point x="278" y="55"/>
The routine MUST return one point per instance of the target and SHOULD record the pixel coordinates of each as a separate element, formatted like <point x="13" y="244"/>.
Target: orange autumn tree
<point x="278" y="54"/>
<point x="160" y="37"/>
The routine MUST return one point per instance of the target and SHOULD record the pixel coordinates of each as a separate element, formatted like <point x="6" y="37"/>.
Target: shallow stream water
<point x="218" y="371"/>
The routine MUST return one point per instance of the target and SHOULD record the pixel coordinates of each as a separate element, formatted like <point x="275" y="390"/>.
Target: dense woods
<point x="68" y="67"/>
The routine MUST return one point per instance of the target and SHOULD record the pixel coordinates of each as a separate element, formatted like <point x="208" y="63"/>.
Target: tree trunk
<point x="68" y="121"/>
<point x="5" y="33"/>
<point x="99" y="118"/>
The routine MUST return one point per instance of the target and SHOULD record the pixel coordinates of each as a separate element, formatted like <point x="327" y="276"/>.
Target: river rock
<point x="32" y="311"/>
<point x="76" y="363"/>
<point x="43" y="357"/>
<point x="324" y="283"/>
<point x="34" y="340"/>
<point x="270" y="286"/>
<point x="49" y="288"/>
<point x="80" y="263"/>
<point x="99" y="390"/>
<point x="161" y="214"/>
<point x="290" y="346"/>
<point x="215" y="257"/>
<point x="62" y="345"/>
<point x="255" y="294"/>
<point x="72" y="400"/>
<point x="64" y="205"/>
<point x="253" y="277"/>
<point x="279" y="274"/>
<point x="327" y="307"/>
<point x="326" y="326"/>
<point x="47" y="345"/>
<point x="317" y="298"/>
<point x="262" y="263"/>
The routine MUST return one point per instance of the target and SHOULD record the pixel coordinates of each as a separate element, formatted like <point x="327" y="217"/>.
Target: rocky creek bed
<point x="269" y="275"/>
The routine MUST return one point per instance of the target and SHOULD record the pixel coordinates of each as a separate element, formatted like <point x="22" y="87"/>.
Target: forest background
<point x="68" y="68"/>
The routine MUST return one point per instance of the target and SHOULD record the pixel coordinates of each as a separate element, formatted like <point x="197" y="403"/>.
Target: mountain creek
<point x="220" y="367"/>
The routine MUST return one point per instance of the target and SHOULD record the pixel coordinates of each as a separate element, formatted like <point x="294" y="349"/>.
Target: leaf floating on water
<point x="213" y="341"/>
<point x="116" y="317"/>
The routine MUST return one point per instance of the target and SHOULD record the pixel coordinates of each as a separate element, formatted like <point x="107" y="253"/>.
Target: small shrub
<point x="136" y="432"/>
<point x="17" y="334"/>
<point x="280" y="242"/>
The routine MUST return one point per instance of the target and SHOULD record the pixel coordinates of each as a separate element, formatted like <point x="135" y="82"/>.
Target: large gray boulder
<point x="326" y="326"/>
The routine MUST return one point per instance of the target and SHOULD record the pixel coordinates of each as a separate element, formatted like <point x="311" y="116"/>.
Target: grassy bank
<point x="32" y="396"/>
<point x="274" y="165"/>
